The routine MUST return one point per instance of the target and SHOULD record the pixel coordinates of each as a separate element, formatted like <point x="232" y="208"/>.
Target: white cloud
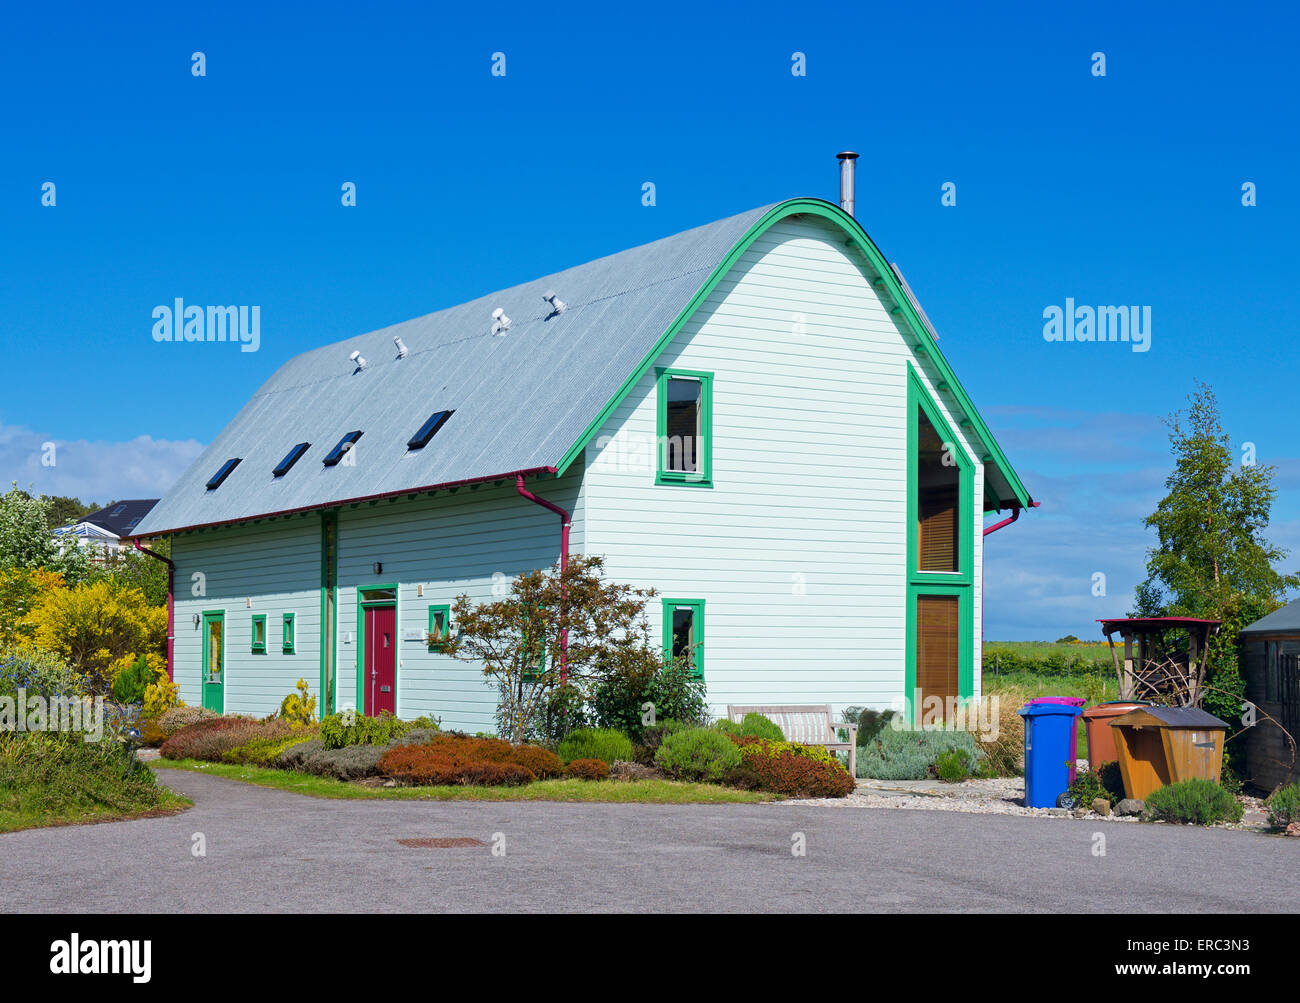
<point x="93" y="470"/>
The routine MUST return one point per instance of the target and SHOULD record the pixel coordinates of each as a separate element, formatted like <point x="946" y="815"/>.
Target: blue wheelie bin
<point x="1049" y="728"/>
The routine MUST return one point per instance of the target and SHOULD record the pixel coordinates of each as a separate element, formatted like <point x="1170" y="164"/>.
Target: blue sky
<point x="1122" y="189"/>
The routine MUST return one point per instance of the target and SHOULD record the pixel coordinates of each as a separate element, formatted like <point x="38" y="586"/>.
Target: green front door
<point x="214" y="660"/>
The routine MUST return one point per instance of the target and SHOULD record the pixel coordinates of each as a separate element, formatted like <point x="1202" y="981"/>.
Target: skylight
<point x="345" y="443"/>
<point x="223" y="473"/>
<point x="292" y="457"/>
<point x="428" y="430"/>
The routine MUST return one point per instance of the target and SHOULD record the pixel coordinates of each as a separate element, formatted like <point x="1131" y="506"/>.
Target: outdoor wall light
<point x="379" y="568"/>
<point x="196" y="619"/>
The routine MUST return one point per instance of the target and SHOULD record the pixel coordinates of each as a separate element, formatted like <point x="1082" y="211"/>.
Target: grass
<point x="613" y="791"/>
<point x="1022" y="686"/>
<point x="14" y="821"/>
<point x="1089" y="651"/>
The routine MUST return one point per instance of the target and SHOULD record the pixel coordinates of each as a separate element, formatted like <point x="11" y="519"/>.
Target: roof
<point x="1155" y="623"/>
<point x="121" y="518"/>
<point x="1174" y="717"/>
<point x="1281" y="621"/>
<point x="526" y="402"/>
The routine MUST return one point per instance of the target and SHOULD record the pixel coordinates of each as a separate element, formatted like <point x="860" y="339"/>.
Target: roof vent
<point x="358" y="360"/>
<point x="401" y="347"/>
<point x="557" y="305"/>
<point x="500" y="322"/>
<point x="846" y="179"/>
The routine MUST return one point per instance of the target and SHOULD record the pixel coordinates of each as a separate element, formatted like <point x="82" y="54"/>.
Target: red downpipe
<point x="1015" y="514"/>
<point x="565" y="521"/>
<point x="171" y="606"/>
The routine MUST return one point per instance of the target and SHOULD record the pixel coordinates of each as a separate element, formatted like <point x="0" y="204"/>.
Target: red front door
<point x="381" y="660"/>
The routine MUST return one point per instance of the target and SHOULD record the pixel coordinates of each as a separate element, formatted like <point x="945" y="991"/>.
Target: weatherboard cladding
<point x="521" y="400"/>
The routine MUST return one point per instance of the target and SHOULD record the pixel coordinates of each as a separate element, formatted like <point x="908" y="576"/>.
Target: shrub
<point x="1284" y="806"/>
<point x="211" y="740"/>
<point x="791" y="769"/>
<point x="954" y="766"/>
<point x="460" y="759"/>
<point x="176" y="718"/>
<point x="352" y="728"/>
<point x="697" y="754"/>
<point x="541" y="762"/>
<point x="671" y="687"/>
<point x="352" y="762"/>
<point x="160" y="696"/>
<point x="912" y="755"/>
<point x="132" y="681"/>
<point x="678" y="694"/>
<point x="758" y="726"/>
<point x="1200" y="801"/>
<point x="38" y="673"/>
<point x="869" y="721"/>
<point x="419" y="764"/>
<point x="588" y="769"/>
<point x="1092" y="784"/>
<point x="294" y="756"/>
<point x="266" y="751"/>
<point x="1004" y="750"/>
<point x="608" y="744"/>
<point x="298" y="708"/>
<point x="653" y="736"/>
<point x="59" y="773"/>
<point x="494" y="775"/>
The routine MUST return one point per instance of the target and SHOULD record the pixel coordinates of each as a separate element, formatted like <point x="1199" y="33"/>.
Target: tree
<point x="1211" y="560"/>
<point x="517" y="638"/>
<point x="64" y="511"/>
<point x="26" y="541"/>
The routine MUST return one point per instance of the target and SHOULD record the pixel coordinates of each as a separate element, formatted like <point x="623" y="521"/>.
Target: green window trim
<point x="697" y="608"/>
<point x="703" y="476"/>
<point x="259" y="621"/>
<point x="434" y="610"/>
<point x="287" y="633"/>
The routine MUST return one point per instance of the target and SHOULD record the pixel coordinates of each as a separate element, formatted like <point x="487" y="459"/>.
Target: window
<point x="286" y="634"/>
<point x="223" y="473"/>
<point x="938" y="495"/>
<point x="428" y="430"/>
<point x="259" y="634"/>
<point x="117" y="511"/>
<point x="685" y="427"/>
<point x="292" y="457"/>
<point x="345" y="444"/>
<point x="439" y="626"/>
<point x="938" y="621"/>
<point x="684" y="632"/>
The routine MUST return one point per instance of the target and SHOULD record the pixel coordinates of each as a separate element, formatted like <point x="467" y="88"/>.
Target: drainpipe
<point x="1015" y="514"/>
<point x="566" y="520"/>
<point x="171" y="608"/>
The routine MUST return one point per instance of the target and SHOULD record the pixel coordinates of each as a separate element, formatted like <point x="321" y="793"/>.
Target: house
<point x="110" y="528"/>
<point x="1270" y="661"/>
<point x="753" y="417"/>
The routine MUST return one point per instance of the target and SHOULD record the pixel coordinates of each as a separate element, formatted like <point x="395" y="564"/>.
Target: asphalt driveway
<point x="272" y="851"/>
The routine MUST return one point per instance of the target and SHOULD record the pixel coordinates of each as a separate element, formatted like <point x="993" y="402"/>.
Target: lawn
<point x="14" y="821"/>
<point x="615" y="791"/>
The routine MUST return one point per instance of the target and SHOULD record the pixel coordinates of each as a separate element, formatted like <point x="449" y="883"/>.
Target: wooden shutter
<point x="937" y="530"/>
<point x="937" y="619"/>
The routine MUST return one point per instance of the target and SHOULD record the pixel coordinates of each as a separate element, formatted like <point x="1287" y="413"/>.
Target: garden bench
<point x="807" y="724"/>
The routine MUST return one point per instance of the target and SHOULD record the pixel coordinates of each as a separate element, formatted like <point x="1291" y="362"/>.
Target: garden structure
<point x="1164" y="657"/>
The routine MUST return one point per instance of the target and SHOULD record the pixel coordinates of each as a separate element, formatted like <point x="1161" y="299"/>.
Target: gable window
<point x="685" y="427"/>
<point x="439" y="626"/>
<point x="259" y="634"/>
<point x="286" y="634"/>
<point x="938" y="494"/>
<point x="684" y="632"/>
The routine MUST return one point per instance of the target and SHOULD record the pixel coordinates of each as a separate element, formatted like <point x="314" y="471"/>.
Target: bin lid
<point x="1044" y="709"/>
<point x="1072" y="701"/>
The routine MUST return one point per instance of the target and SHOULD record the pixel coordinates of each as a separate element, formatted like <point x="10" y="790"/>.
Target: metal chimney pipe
<point x="846" y="179"/>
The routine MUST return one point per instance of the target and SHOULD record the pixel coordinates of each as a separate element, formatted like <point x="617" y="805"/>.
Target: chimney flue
<point x="846" y="179"/>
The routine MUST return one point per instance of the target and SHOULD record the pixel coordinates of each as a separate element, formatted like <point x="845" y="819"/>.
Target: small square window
<point x="259" y="633"/>
<point x="287" y="634"/>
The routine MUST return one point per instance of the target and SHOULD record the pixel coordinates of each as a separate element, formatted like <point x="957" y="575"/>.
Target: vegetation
<point x="1103" y="782"/>
<point x="352" y="728"/>
<point x="698" y="754"/>
<point x="791" y="769"/>
<point x="1283" y="806"/>
<point x="1202" y="802"/>
<point x="298" y="708"/>
<point x="913" y="755"/>
<point x="588" y="769"/>
<point x="596" y="743"/>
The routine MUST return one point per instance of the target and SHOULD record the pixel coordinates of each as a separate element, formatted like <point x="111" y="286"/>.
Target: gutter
<point x="566" y="520"/>
<point x="1015" y="514"/>
<point x="171" y="604"/>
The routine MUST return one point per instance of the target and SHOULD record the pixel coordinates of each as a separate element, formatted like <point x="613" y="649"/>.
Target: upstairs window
<point x="938" y="487"/>
<point x="223" y="473"/>
<point x="344" y="446"/>
<point x="428" y="430"/>
<point x="685" y="432"/>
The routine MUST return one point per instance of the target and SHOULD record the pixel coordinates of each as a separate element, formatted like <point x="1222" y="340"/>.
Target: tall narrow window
<point x="684" y="632"/>
<point x="937" y="623"/>
<point x="439" y="626"/>
<point x="259" y="633"/>
<point x="938" y="481"/>
<point x="685" y="433"/>
<point x="286" y="633"/>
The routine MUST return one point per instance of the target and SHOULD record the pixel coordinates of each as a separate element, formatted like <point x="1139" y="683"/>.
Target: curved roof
<point x="526" y="402"/>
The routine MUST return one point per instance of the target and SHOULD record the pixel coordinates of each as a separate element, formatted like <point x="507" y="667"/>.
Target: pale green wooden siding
<point x="809" y="471"/>
<point x="276" y="565"/>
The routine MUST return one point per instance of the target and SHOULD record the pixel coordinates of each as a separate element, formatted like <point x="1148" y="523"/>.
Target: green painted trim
<point x="257" y="649"/>
<point x="704" y="478"/>
<point x="698" y="606"/>
<point x="925" y="344"/>
<point x="362" y="604"/>
<point x="445" y="610"/>
<point x="213" y="614"/>
<point x="965" y="644"/>
<point x="918" y="396"/>
<point x="329" y="609"/>
<point x="288" y="633"/>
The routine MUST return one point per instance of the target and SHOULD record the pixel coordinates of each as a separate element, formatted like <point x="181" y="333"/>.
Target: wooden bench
<point x="808" y="724"/>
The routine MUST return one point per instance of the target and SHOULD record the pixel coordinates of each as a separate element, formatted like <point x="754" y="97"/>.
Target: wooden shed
<point x="1157" y="746"/>
<point x="1270" y="662"/>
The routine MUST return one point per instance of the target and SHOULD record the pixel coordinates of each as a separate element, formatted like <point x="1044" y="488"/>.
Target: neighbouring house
<point x="1270" y="660"/>
<point x="752" y="416"/>
<point x="109" y="528"/>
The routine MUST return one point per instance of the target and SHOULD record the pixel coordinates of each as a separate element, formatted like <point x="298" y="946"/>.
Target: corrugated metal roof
<point x="521" y="399"/>
<point x="1285" y="620"/>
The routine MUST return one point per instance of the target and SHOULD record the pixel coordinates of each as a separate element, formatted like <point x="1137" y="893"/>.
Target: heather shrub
<point x="588" y="769"/>
<point x="794" y="775"/>
<point x="1283" y="806"/>
<point x="176" y="718"/>
<point x="653" y="736"/>
<point x="184" y="739"/>
<point x="1200" y="801"/>
<point x="350" y="727"/>
<point x="541" y="762"/>
<point x="493" y="775"/>
<point x="460" y="759"/>
<point x="352" y="762"/>
<point x="211" y="740"/>
<point x="697" y="754"/>
<point x="608" y="744"/>
<point x="265" y="751"/>
<point x="913" y="755"/>
<point x="295" y="754"/>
